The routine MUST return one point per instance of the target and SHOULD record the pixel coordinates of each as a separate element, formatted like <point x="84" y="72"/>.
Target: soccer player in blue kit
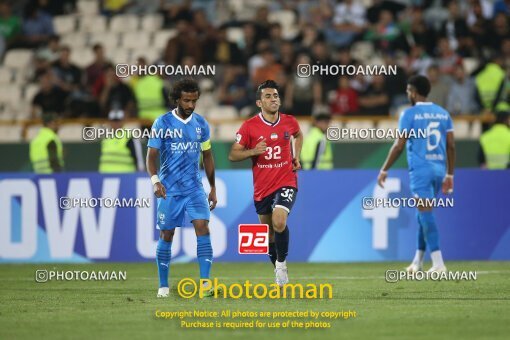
<point x="431" y="162"/>
<point x="177" y="139"/>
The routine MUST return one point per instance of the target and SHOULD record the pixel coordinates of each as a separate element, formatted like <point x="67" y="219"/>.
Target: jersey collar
<point x="424" y="103"/>
<point x="267" y="122"/>
<point x="184" y="121"/>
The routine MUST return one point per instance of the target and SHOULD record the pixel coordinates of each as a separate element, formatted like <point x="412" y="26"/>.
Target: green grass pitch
<point x="126" y="309"/>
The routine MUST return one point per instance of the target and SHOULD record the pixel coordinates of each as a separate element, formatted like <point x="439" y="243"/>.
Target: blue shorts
<point x="425" y="184"/>
<point x="172" y="210"/>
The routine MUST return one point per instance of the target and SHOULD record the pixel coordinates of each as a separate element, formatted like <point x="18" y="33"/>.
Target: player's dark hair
<point x="184" y="85"/>
<point x="421" y="84"/>
<point x="268" y="84"/>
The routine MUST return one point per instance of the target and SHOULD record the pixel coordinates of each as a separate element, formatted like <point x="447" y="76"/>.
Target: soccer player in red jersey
<point x="266" y="139"/>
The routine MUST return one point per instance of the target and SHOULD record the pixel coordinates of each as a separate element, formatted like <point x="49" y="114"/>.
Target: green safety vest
<point x="149" y="95"/>
<point x="488" y="82"/>
<point x="496" y="146"/>
<point x="39" y="155"/>
<point x="116" y="156"/>
<point x="312" y="140"/>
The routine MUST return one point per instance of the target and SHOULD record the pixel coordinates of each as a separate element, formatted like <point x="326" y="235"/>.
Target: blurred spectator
<point x="317" y="152"/>
<point x="302" y="93"/>
<point x="417" y="61"/>
<point x="10" y="25"/>
<point x="173" y="13"/>
<point x="498" y="31"/>
<point x="114" y="94"/>
<point x="502" y="6"/>
<point x="68" y="75"/>
<point x="269" y="70"/>
<point x="478" y="24"/>
<point x="56" y="7"/>
<point x="344" y="100"/>
<point x="222" y="51"/>
<point x="185" y="43"/>
<point x="488" y="82"/>
<point x="322" y="56"/>
<point x="96" y="70"/>
<point x="375" y="101"/>
<point x="455" y="28"/>
<point x="112" y="7"/>
<point x="37" y="26"/>
<point x="417" y="31"/>
<point x="50" y="51"/>
<point x="505" y="50"/>
<point x="203" y="28"/>
<point x="308" y="35"/>
<point x="275" y="37"/>
<point x="50" y="98"/>
<point x="385" y="33"/>
<point x="348" y="22"/>
<point x="461" y="97"/>
<point x="232" y="88"/>
<point x="287" y="57"/>
<point x="447" y="59"/>
<point x="151" y="94"/>
<point x="495" y="144"/>
<point x="261" y="21"/>
<point x="439" y="86"/>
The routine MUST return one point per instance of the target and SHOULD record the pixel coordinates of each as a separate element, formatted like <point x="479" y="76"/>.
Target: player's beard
<point x="183" y="112"/>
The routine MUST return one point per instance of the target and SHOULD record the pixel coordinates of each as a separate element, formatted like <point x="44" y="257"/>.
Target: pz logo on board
<point x="253" y="239"/>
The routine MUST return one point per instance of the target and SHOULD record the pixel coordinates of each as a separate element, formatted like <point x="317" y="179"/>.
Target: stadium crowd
<point x="462" y="46"/>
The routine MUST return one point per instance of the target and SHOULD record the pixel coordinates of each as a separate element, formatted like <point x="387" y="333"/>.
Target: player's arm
<point x="208" y="160"/>
<point x="298" y="137"/>
<point x="152" y="170"/>
<point x="239" y="153"/>
<point x="450" y="163"/>
<point x="394" y="153"/>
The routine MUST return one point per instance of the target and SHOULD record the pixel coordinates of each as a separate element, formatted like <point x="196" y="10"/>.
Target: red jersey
<point x="273" y="169"/>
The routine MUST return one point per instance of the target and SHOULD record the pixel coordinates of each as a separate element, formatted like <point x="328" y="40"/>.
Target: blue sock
<point x="421" y="245"/>
<point x="163" y="253"/>
<point x="430" y="230"/>
<point x="204" y="255"/>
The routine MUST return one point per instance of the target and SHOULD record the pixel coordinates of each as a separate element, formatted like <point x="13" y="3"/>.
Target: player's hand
<point x="382" y="178"/>
<point x="212" y="199"/>
<point x="159" y="190"/>
<point x="448" y="185"/>
<point x="260" y="148"/>
<point x="296" y="164"/>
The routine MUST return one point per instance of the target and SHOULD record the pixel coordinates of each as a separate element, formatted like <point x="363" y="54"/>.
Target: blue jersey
<point x="426" y="125"/>
<point x="180" y="142"/>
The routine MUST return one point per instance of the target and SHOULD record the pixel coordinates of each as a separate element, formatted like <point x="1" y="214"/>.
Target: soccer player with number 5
<point x="266" y="139"/>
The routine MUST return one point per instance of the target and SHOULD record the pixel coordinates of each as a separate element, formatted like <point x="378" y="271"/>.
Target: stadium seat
<point x="10" y="94"/>
<point x="161" y="38"/>
<point x="286" y="18"/>
<point x="76" y="41"/>
<point x="18" y="58"/>
<point x="31" y="132"/>
<point x="88" y="7"/>
<point x="476" y="130"/>
<point x="64" y="24"/>
<point x="470" y="64"/>
<point x="227" y="131"/>
<point x="150" y="54"/>
<point x="222" y="112"/>
<point x="30" y="91"/>
<point x="110" y="39"/>
<point x="83" y="58"/>
<point x="120" y="56"/>
<point x="93" y="24"/>
<point x="235" y="34"/>
<point x="461" y="129"/>
<point x="6" y="76"/>
<point x="72" y="132"/>
<point x="151" y="22"/>
<point x="11" y="133"/>
<point x="136" y="40"/>
<point x="124" y="23"/>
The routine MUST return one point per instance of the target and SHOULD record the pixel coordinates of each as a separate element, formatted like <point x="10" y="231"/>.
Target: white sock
<point x="437" y="259"/>
<point x="418" y="257"/>
<point x="280" y="264"/>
